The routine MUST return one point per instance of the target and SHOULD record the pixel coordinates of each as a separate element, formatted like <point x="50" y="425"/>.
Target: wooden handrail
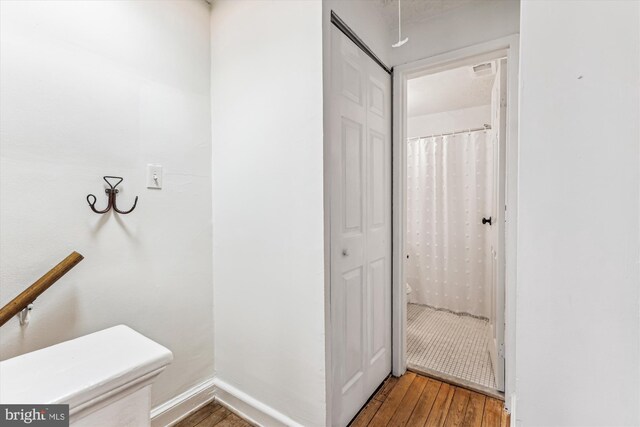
<point x="29" y="295"/>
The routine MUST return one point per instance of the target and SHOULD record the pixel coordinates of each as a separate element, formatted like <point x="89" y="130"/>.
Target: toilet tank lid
<point x="82" y="369"/>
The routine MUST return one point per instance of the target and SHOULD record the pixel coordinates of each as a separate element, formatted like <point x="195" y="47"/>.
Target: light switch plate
<point x="154" y="176"/>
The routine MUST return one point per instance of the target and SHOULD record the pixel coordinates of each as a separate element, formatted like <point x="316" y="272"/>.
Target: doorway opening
<point x="453" y="185"/>
<point x="450" y="234"/>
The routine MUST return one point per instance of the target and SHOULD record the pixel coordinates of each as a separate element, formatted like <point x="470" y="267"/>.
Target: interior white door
<point x="499" y="125"/>
<point x="360" y="198"/>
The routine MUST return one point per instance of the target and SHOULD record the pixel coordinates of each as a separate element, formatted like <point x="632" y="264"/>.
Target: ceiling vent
<point x="484" y="69"/>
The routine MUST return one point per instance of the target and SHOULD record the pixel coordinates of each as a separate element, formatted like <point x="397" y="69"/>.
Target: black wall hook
<point x="111" y="194"/>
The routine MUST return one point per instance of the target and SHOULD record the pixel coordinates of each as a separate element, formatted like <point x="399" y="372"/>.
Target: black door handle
<point x="485" y="220"/>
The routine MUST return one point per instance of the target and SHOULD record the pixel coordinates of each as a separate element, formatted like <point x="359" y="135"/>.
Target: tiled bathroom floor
<point x="451" y="344"/>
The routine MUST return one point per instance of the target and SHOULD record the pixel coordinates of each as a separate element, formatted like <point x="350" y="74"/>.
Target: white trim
<point x="249" y="407"/>
<point x="511" y="219"/>
<point x="107" y="399"/>
<point x="183" y="405"/>
<point x="512" y="411"/>
<point x="402" y="73"/>
<point x="327" y="28"/>
<point x="493" y="347"/>
<point x="399" y="227"/>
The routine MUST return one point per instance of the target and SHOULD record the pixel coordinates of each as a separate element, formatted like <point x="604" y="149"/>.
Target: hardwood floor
<point x="411" y="400"/>
<point x="415" y="400"/>
<point x="211" y="415"/>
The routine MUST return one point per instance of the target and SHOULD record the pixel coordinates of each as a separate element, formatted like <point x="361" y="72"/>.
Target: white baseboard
<point x="183" y="405"/>
<point x="250" y="408"/>
<point x="512" y="411"/>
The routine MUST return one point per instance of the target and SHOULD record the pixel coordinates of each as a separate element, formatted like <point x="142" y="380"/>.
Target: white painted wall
<point x="97" y="88"/>
<point x="578" y="331"/>
<point x="448" y="121"/>
<point x="268" y="203"/>
<point x="465" y="26"/>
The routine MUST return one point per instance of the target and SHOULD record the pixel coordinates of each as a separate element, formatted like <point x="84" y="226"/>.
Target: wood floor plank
<point x="408" y="402"/>
<point x="199" y="415"/>
<point x="214" y="418"/>
<point x="493" y="409"/>
<point x="384" y="391"/>
<point x="391" y="403"/>
<point x="425" y="403"/>
<point x="475" y="409"/>
<point x="438" y="413"/>
<point x="506" y="419"/>
<point x="367" y="413"/>
<point x="232" y="420"/>
<point x="458" y="407"/>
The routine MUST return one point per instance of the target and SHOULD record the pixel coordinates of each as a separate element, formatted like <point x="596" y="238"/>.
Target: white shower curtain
<point x="449" y="191"/>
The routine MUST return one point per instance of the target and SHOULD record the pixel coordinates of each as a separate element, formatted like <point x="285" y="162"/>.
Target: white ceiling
<point x="446" y="91"/>
<point x="418" y="10"/>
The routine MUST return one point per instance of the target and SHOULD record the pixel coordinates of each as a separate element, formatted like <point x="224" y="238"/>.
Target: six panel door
<point x="360" y="198"/>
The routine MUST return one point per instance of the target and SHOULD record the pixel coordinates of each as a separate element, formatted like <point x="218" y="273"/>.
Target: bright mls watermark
<point x="34" y="415"/>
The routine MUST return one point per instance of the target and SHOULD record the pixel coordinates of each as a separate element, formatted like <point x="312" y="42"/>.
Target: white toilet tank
<point x="104" y="377"/>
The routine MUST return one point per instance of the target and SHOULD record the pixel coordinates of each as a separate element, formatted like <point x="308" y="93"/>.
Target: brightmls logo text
<point x="26" y="416"/>
<point x="34" y="415"/>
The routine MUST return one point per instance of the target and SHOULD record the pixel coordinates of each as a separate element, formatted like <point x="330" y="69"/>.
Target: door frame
<point x="509" y="47"/>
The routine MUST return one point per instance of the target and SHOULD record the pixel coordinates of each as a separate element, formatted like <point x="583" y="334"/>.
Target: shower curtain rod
<point x="486" y="127"/>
